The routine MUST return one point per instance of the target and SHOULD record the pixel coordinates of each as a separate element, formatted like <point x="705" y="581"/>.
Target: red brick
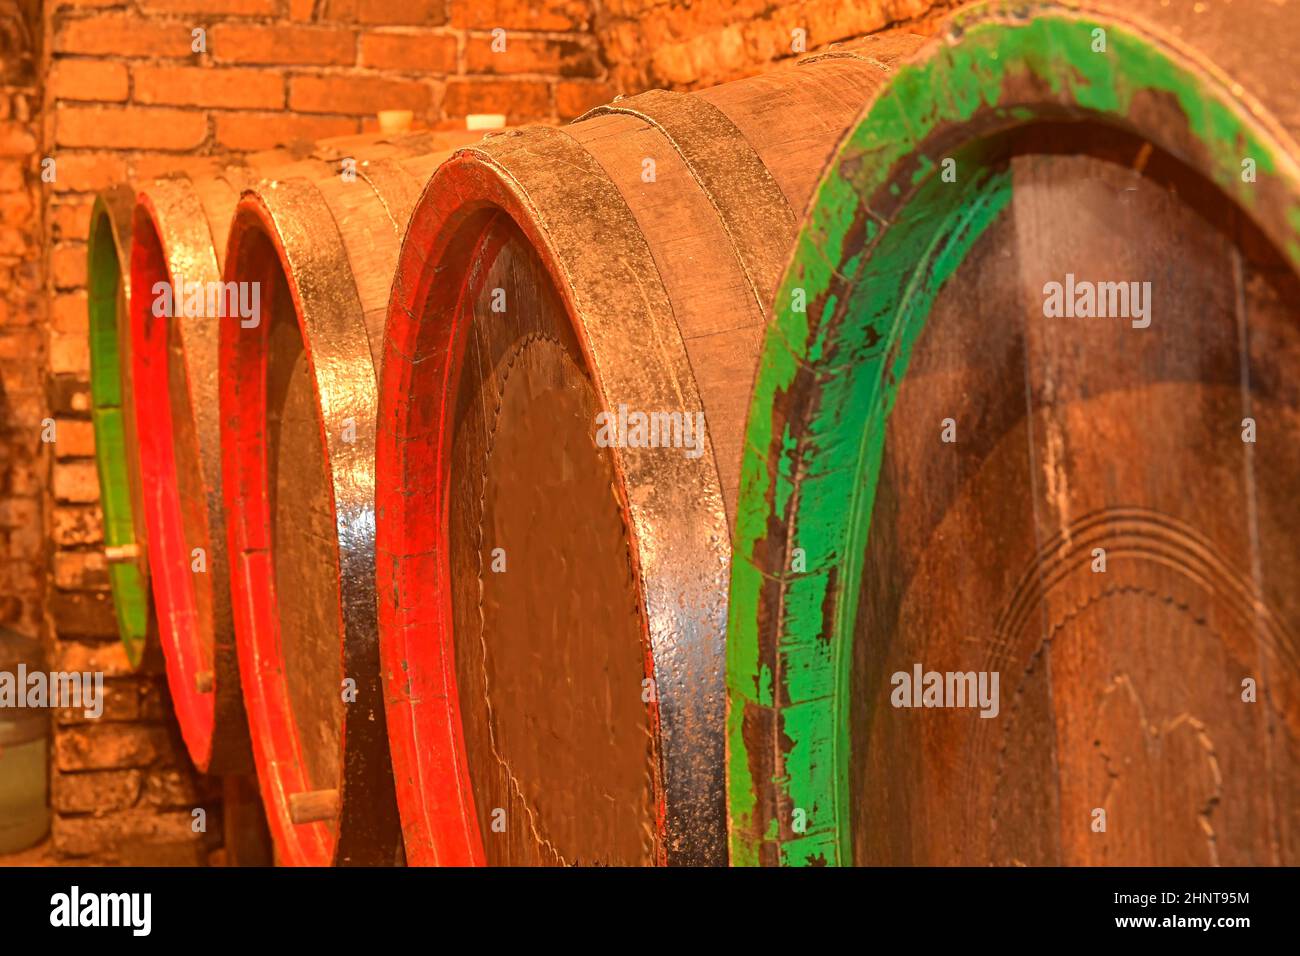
<point x="24" y="107"/>
<point x="556" y="15"/>
<point x="69" y="353"/>
<point x="89" y="80"/>
<point x="406" y="12"/>
<point x="87" y="172"/>
<point x="297" y="45"/>
<point x="22" y="343"/>
<point x="568" y="56"/>
<point x="130" y="127"/>
<point x="16" y="139"/>
<point x="249" y="131"/>
<point x="26" y="479"/>
<point x="121" y="35"/>
<point x="573" y="97"/>
<point x="356" y="94"/>
<point x="409" y="52"/>
<point x="106" y="657"/>
<point x="68" y="265"/>
<point x="76" y="525"/>
<point x="16" y="208"/>
<point x="13" y="175"/>
<point x="70" y="220"/>
<point x="518" y="99"/>
<point x="151" y="165"/>
<point x="68" y="313"/>
<point x="75" y="438"/>
<point x="76" y="481"/>
<point x="245" y="8"/>
<point x="196" y="86"/>
<point x="105" y="746"/>
<point x="302" y="10"/>
<point x="25" y="409"/>
<point x="135" y="837"/>
<point x="16" y="512"/>
<point x="14" y="242"/>
<point x="121" y="699"/>
<point x="95" y="792"/>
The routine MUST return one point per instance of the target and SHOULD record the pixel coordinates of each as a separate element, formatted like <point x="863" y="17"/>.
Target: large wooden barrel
<point x="180" y="226"/>
<point x="298" y="401"/>
<point x="179" y="229"/>
<point x="1027" y="410"/>
<point x="552" y="598"/>
<point x="108" y="280"/>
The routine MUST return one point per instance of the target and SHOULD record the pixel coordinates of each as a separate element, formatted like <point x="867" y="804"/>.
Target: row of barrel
<point x="585" y="495"/>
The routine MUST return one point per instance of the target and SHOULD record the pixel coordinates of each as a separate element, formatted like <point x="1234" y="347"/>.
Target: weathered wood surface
<point x="869" y="545"/>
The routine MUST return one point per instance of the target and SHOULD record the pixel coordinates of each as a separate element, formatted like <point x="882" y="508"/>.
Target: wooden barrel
<point x="108" y="279"/>
<point x="180" y="226"/>
<point x="297" y="405"/>
<point x="1026" y="412"/>
<point x="551" y="596"/>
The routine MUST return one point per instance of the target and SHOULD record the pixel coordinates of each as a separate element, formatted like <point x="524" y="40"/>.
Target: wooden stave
<point x="108" y="269"/>
<point x="757" y="628"/>
<point x="339" y="302"/>
<point x="510" y="176"/>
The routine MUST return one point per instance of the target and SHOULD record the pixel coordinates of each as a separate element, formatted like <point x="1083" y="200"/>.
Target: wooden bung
<point x="1026" y="411"/>
<point x="553" y="604"/>
<point x="297" y="408"/>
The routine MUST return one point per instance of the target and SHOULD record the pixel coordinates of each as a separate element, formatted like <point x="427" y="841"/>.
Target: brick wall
<point x="687" y="44"/>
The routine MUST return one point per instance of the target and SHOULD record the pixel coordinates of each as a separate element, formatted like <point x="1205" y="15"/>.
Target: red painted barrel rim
<point x="439" y="818"/>
<point x="171" y="574"/>
<point x="428" y="748"/>
<point x="277" y="746"/>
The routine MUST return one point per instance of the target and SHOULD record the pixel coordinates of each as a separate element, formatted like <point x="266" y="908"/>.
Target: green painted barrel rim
<point x="104" y="280"/>
<point x="882" y="236"/>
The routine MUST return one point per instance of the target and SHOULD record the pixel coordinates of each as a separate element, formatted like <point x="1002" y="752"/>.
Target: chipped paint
<point x="828" y="377"/>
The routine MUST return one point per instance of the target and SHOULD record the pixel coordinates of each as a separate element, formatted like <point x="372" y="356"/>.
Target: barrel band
<point x="756" y="216"/>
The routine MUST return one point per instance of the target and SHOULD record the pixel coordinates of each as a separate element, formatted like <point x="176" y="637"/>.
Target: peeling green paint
<point x="810" y="482"/>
